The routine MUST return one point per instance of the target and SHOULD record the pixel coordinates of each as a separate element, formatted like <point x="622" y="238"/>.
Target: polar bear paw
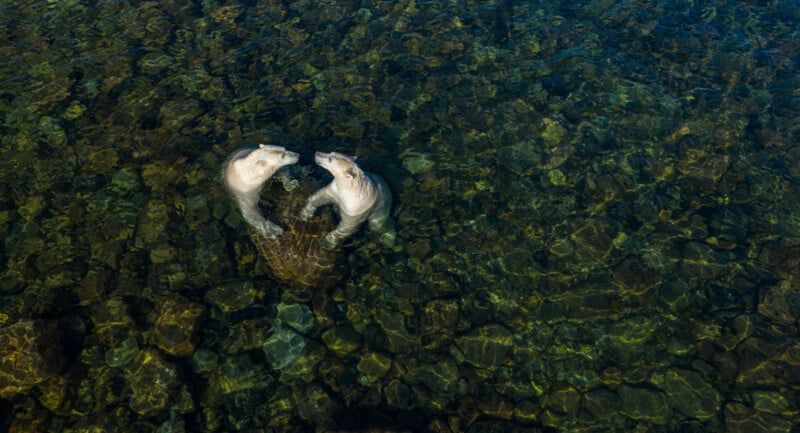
<point x="307" y="213"/>
<point x="270" y="230"/>
<point x="328" y="242"/>
<point x="388" y="238"/>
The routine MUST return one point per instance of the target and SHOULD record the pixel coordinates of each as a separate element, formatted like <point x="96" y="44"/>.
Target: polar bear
<point x="359" y="196"/>
<point x="244" y="173"/>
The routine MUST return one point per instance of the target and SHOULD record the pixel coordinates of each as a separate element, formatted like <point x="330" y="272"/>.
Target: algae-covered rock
<point x="177" y="325"/>
<point x="154" y="382"/>
<point x="439" y="318"/>
<point x="342" y="340"/>
<point x="773" y="402"/>
<point x="30" y="355"/>
<point x="399" y="395"/>
<point x="235" y="375"/>
<point x="629" y="335"/>
<point x="296" y="258"/>
<point x="296" y="316"/>
<point x="233" y="296"/>
<point x="442" y="378"/>
<point x="398" y="338"/>
<point x="602" y="403"/>
<point x="283" y="347"/>
<point x="123" y="353"/>
<point x="742" y="419"/>
<point x="486" y="347"/>
<point x="645" y="404"/>
<point x="565" y="400"/>
<point x="374" y="365"/>
<point x="315" y="404"/>
<point x="690" y="394"/>
<point x="204" y="361"/>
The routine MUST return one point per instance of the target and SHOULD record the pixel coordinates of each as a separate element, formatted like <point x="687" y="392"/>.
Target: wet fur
<point x="244" y="173"/>
<point x="359" y="197"/>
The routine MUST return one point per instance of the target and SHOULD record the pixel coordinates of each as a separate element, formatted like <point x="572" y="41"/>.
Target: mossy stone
<point x="121" y="355"/>
<point x="645" y="404"/>
<point x="486" y="347"/>
<point x="690" y="394"/>
<point x="342" y="340"/>
<point x="374" y="365"/>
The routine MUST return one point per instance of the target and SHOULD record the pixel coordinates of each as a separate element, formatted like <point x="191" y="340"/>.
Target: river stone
<point x="565" y="400"/>
<point x="374" y="365"/>
<point x="690" y="394"/>
<point x="398" y="339"/>
<point x="204" y="361"/>
<point x="486" y="347"/>
<point x="645" y="404"/>
<point x="316" y="405"/>
<point x="631" y="333"/>
<point x="770" y="401"/>
<point x="305" y="366"/>
<point x="296" y="316"/>
<point x="342" y="340"/>
<point x="177" y="325"/>
<point x="120" y="355"/>
<point x="780" y="303"/>
<point x="30" y="355"/>
<point x="438" y="321"/>
<point x="602" y="403"/>
<point x="442" y="378"/>
<point x="399" y="395"/>
<point x="283" y="347"/>
<point x="742" y="419"/>
<point x="153" y="381"/>
<point x="233" y="296"/>
<point x="236" y="375"/>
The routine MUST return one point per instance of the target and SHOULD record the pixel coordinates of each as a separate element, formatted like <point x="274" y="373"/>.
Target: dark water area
<point x="596" y="206"/>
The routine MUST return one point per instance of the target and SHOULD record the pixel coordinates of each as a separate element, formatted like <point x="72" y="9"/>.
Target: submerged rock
<point x="342" y="340"/>
<point x="690" y="394"/>
<point x="296" y="316"/>
<point x="176" y="327"/>
<point x="742" y="419"/>
<point x="30" y="354"/>
<point x="296" y="258"/>
<point x="374" y="365"/>
<point x="486" y="347"/>
<point x="283" y="347"/>
<point x="154" y="381"/>
<point x="645" y="404"/>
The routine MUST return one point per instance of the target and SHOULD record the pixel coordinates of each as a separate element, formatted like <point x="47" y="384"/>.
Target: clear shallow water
<point x="596" y="208"/>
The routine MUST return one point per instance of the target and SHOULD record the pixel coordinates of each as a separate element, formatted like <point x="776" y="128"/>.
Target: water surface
<point x="596" y="205"/>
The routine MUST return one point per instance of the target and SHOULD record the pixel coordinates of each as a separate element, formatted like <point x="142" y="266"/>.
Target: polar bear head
<point x="342" y="167"/>
<point x="247" y="169"/>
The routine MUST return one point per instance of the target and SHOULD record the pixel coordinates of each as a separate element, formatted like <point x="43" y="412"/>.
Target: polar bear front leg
<point x="248" y="206"/>
<point x="347" y="226"/>
<point x="317" y="200"/>
<point x="254" y="219"/>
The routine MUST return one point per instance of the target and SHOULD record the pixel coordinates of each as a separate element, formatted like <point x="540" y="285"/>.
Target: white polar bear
<point x="358" y="195"/>
<point x="244" y="173"/>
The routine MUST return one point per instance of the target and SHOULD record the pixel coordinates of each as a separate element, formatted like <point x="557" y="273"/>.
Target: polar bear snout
<point x="322" y="159"/>
<point x="334" y="162"/>
<point x="289" y="157"/>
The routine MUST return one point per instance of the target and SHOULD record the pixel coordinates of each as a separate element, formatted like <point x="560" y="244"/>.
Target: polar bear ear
<point x="261" y="145"/>
<point x="349" y="174"/>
